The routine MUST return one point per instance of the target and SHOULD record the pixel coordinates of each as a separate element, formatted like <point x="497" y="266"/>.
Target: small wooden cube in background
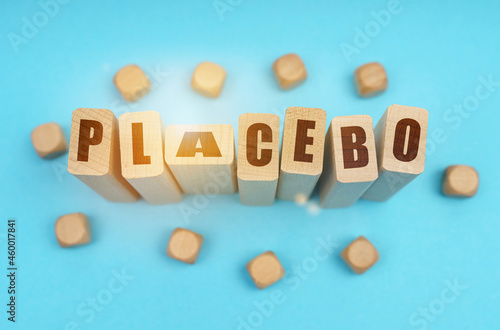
<point x="73" y="229"/>
<point x="360" y="255"/>
<point x="132" y="83"/>
<point x="370" y="79"/>
<point x="290" y="71"/>
<point x="49" y="140"/>
<point x="208" y="79"/>
<point x="184" y="245"/>
<point x="460" y="181"/>
<point x="265" y="269"/>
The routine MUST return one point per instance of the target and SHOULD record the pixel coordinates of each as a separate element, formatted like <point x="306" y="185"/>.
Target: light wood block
<point x="460" y="181"/>
<point x="202" y="158"/>
<point x="208" y="79"/>
<point x="132" y="83"/>
<point x="290" y="71"/>
<point x="184" y="245"/>
<point x="94" y="154"/>
<point x="143" y="165"/>
<point x="360" y="255"/>
<point x="73" y="229"/>
<point x="400" y="137"/>
<point x="265" y="269"/>
<point x="49" y="140"/>
<point x="350" y="162"/>
<point x="258" y="158"/>
<point x="301" y="153"/>
<point x="370" y="79"/>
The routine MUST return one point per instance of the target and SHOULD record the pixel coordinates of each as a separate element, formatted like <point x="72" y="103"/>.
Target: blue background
<point x="435" y="53"/>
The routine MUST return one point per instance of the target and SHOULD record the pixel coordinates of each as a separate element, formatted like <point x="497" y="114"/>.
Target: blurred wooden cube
<point x="49" y="140"/>
<point x="360" y="255"/>
<point x="184" y="245"/>
<point x="370" y="79"/>
<point x="132" y="83"/>
<point x="290" y="71"/>
<point x="265" y="269"/>
<point x="460" y="181"/>
<point x="73" y="229"/>
<point x="208" y="79"/>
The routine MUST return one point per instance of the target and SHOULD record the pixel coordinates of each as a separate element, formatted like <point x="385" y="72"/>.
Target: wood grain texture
<point x="49" y="140"/>
<point x="289" y="71"/>
<point x="360" y="255"/>
<point x="202" y="158"/>
<point x="302" y="152"/>
<point x="258" y="158"/>
<point x="132" y="83"/>
<point x="184" y="245"/>
<point x="370" y="79"/>
<point x="265" y="269"/>
<point x="73" y="229"/>
<point x="94" y="154"/>
<point x="400" y="138"/>
<point x="460" y="181"/>
<point x="208" y="79"/>
<point x="143" y="165"/>
<point x="350" y="161"/>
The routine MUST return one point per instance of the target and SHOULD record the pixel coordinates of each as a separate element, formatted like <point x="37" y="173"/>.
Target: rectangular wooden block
<point x="302" y="152"/>
<point x="202" y="158"/>
<point x="94" y="154"/>
<point x="258" y="158"/>
<point x="400" y="137"/>
<point x="143" y="165"/>
<point x="350" y="162"/>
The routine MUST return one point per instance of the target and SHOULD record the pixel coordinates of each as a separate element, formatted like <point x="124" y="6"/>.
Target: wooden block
<point x="290" y="71"/>
<point x="460" y="181"/>
<point x="370" y="79"/>
<point x="73" y="229"/>
<point x="143" y="165"/>
<point x="208" y="79"/>
<point x="184" y="245"/>
<point x="265" y="269"/>
<point x="49" y="140"/>
<point x="301" y="153"/>
<point x="400" y="137"/>
<point x="360" y="255"/>
<point x="132" y="82"/>
<point x="202" y="158"/>
<point x="94" y="154"/>
<point x="350" y="162"/>
<point x="258" y="158"/>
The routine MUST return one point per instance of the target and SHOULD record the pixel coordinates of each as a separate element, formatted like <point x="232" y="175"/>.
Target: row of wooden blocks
<point x="184" y="245"/>
<point x="161" y="163"/>
<point x="208" y="78"/>
<point x="138" y="155"/>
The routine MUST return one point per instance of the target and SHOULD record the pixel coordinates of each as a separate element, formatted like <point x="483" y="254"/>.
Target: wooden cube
<point x="184" y="245"/>
<point x="301" y="153"/>
<point x="401" y="138"/>
<point x="142" y="161"/>
<point x="350" y="162"/>
<point x="73" y="229"/>
<point x="290" y="71"/>
<point x="202" y="158"/>
<point x="49" y="140"/>
<point x="370" y="79"/>
<point x="360" y="255"/>
<point x="132" y="83"/>
<point x="460" y="181"/>
<point x="208" y="79"/>
<point x="265" y="269"/>
<point x="94" y="154"/>
<point x="258" y="158"/>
